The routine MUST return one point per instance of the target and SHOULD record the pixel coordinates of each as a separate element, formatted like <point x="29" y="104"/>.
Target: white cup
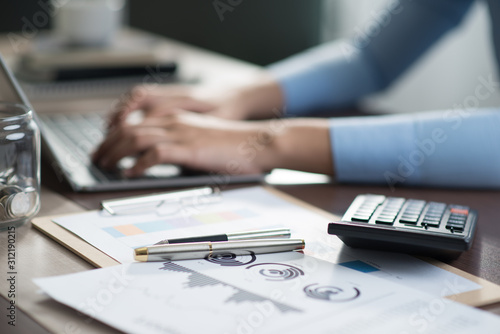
<point x="87" y="22"/>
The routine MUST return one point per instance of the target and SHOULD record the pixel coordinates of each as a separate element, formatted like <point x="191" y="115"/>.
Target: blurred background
<point x="265" y="31"/>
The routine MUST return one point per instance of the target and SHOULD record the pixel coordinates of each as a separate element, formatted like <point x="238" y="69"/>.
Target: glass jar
<point x="19" y="165"/>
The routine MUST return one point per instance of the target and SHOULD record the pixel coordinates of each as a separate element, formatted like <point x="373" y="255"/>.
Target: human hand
<point x="189" y="139"/>
<point x="216" y="145"/>
<point x="260" y="99"/>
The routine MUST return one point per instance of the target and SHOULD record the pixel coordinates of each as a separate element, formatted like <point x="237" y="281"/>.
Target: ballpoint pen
<point x="278" y="233"/>
<point x="196" y="196"/>
<point x="200" y="250"/>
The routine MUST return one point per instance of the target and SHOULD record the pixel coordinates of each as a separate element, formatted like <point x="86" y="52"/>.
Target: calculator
<point x="406" y="225"/>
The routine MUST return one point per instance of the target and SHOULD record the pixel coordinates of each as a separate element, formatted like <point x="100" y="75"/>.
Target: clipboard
<point x="488" y="294"/>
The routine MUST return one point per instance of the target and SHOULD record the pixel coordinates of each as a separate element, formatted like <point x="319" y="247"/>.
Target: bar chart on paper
<point x="167" y="224"/>
<point x="146" y="232"/>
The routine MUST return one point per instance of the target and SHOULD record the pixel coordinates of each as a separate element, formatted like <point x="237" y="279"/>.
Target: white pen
<point x="203" y="195"/>
<point x="201" y="250"/>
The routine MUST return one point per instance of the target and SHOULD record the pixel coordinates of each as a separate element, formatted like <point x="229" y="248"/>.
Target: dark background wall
<point x="13" y="12"/>
<point x="259" y="31"/>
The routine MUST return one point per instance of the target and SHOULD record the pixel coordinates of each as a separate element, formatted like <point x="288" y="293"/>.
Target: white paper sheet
<point x="251" y="209"/>
<point x="272" y="293"/>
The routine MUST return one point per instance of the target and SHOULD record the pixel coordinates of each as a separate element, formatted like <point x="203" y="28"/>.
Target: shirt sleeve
<point x="453" y="148"/>
<point x="339" y="73"/>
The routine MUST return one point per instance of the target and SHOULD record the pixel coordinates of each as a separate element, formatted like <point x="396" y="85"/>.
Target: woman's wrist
<point x="299" y="144"/>
<point x="262" y="99"/>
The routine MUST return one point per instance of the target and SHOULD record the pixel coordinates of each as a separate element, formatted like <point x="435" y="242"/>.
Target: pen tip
<point x="141" y="254"/>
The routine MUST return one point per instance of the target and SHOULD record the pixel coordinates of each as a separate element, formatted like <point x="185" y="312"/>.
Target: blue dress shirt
<point x="459" y="148"/>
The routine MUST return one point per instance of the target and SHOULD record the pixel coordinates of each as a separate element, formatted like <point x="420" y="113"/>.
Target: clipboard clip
<point x="163" y="203"/>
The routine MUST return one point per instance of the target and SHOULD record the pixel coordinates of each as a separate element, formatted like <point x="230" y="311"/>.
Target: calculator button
<point x="408" y="219"/>
<point x="410" y="216"/>
<point x="455" y="228"/>
<point x="437" y="204"/>
<point x="360" y="218"/>
<point x="460" y="211"/>
<point x="385" y="220"/>
<point x="433" y="215"/>
<point x="412" y="212"/>
<point x="388" y="214"/>
<point x="368" y="207"/>
<point x="363" y="213"/>
<point x="436" y="207"/>
<point x="455" y="222"/>
<point x="370" y="203"/>
<point x="389" y="221"/>
<point x="415" y="202"/>
<point x="432" y="223"/>
<point x="459" y="217"/>
<point x="455" y="225"/>
<point x="394" y="204"/>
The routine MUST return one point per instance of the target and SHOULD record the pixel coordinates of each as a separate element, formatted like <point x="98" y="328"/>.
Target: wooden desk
<point x="39" y="256"/>
<point x="482" y="260"/>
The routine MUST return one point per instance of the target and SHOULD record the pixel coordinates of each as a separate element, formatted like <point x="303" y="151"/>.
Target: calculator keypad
<point x="397" y="211"/>
<point x="406" y="225"/>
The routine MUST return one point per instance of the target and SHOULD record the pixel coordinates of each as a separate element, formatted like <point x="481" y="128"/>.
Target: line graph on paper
<point x="196" y="279"/>
<point x="204" y="288"/>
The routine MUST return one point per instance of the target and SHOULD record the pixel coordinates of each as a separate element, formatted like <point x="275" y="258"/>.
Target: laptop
<point x="69" y="138"/>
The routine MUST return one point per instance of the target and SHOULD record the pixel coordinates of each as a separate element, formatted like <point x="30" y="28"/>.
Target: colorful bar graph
<point x="173" y="223"/>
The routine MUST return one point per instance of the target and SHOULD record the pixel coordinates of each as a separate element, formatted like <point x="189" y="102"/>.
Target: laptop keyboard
<point x="81" y="133"/>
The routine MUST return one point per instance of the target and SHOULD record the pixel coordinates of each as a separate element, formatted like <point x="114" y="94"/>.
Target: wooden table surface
<point x="482" y="260"/>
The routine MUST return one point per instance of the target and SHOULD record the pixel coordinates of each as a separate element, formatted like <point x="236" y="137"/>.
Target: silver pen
<point x="201" y="250"/>
<point x="277" y="233"/>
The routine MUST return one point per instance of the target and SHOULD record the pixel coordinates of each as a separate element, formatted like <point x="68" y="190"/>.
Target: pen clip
<point x="162" y="203"/>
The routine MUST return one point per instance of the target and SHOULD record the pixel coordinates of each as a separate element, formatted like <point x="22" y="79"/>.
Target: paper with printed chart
<point x="256" y="208"/>
<point x="272" y="293"/>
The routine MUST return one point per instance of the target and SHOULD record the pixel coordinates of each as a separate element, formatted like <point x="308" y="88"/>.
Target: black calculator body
<point x="406" y="225"/>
